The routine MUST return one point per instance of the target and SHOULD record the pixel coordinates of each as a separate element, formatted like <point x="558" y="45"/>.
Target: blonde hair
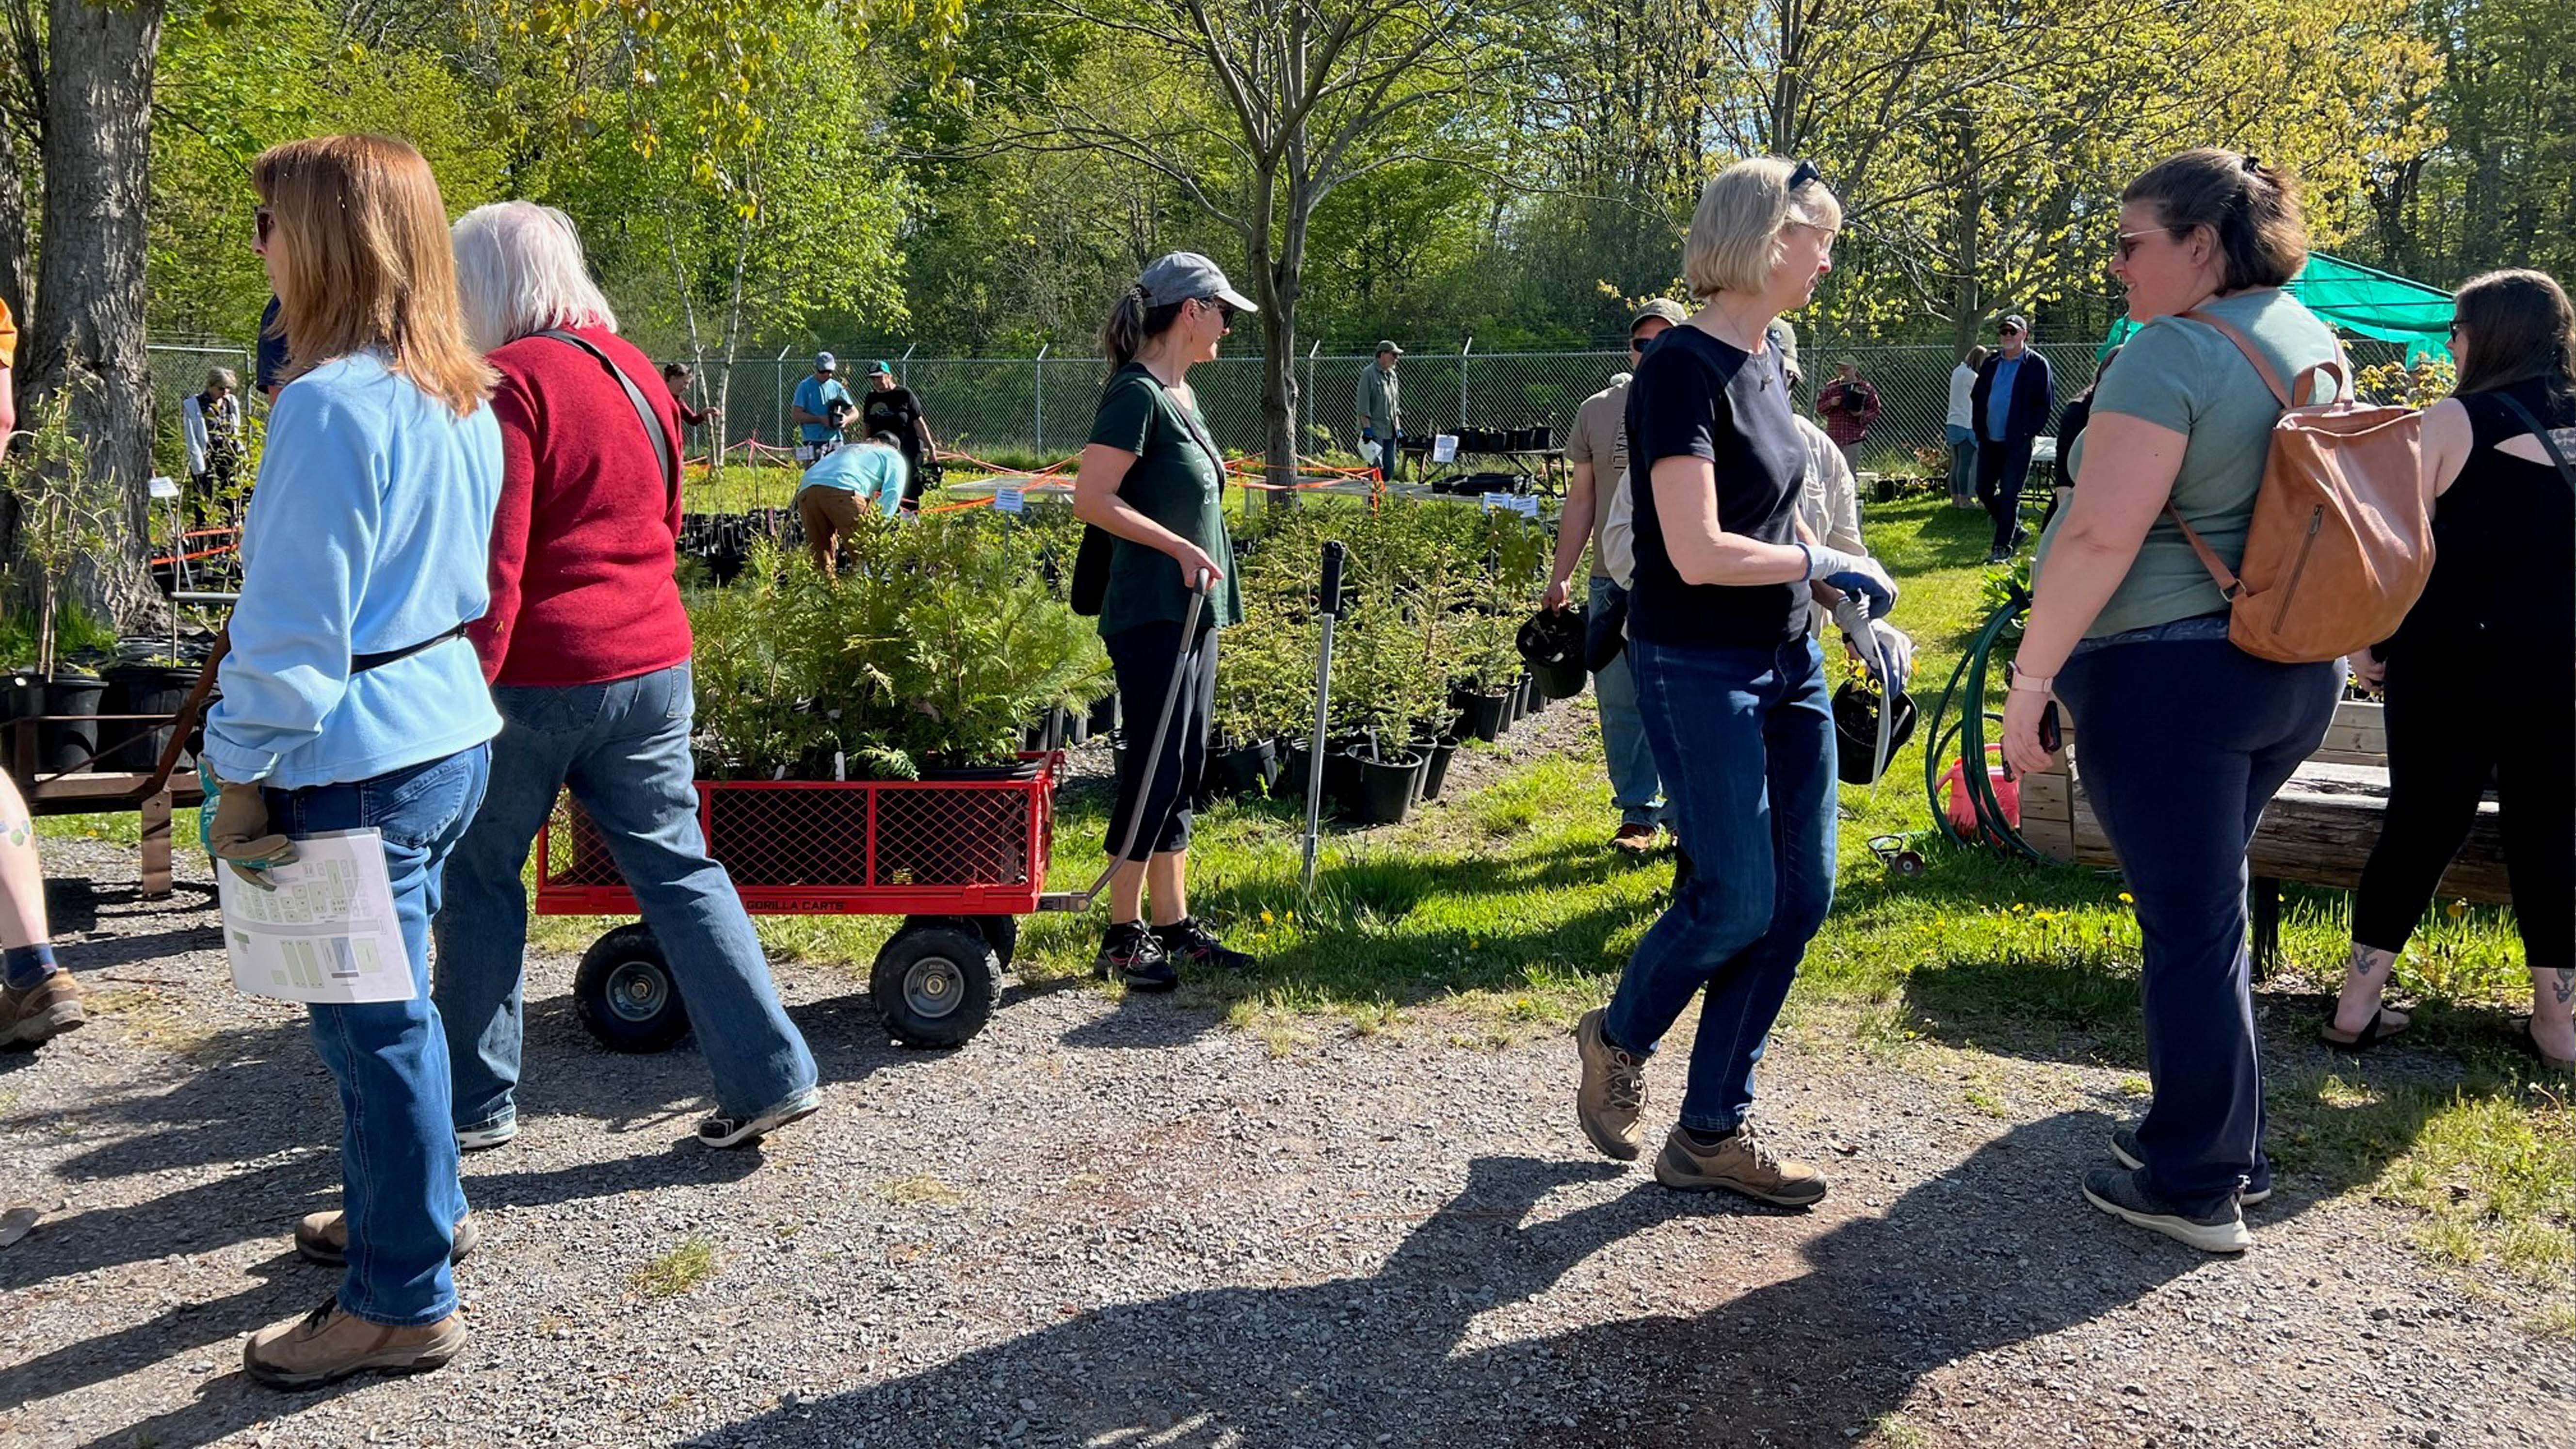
<point x="519" y="270"/>
<point x="367" y="262"/>
<point x="1735" y="234"/>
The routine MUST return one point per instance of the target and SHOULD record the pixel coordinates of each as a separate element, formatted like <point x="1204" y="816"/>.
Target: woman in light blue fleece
<point x="351" y="698"/>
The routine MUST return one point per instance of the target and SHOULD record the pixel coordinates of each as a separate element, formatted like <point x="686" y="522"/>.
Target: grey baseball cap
<point x="1662" y="308"/>
<point x="826" y="362"/>
<point x="1183" y="276"/>
<point x="2014" y="323"/>
<point x="1385" y="344"/>
<point x="1784" y="340"/>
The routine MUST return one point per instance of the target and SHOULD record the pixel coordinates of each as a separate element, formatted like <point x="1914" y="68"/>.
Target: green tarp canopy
<point x="2360" y="302"/>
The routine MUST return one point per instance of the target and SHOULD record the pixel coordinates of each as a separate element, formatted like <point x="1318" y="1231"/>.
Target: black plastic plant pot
<point x="1488" y="715"/>
<point x="1386" y="788"/>
<point x="1435" y="767"/>
<point x="1246" y="769"/>
<point x="160" y="689"/>
<point x="1342" y="777"/>
<point x="1531" y="700"/>
<point x="1104" y="714"/>
<point x="1561" y="680"/>
<point x="68" y="745"/>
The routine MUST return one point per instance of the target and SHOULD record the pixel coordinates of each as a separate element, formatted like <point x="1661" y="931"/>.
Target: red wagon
<point x="961" y="859"/>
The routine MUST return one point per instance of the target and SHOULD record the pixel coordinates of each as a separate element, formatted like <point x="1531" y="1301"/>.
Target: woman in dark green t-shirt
<point x="1151" y="476"/>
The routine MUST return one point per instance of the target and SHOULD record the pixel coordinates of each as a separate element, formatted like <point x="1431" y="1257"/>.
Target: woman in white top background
<point x="1961" y="429"/>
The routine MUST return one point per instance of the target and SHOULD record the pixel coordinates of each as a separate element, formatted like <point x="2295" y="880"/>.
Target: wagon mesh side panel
<point x="790" y="837"/>
<point x="576" y="853"/>
<point x="953" y="835"/>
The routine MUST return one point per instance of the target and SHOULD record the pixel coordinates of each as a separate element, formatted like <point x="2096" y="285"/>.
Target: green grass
<point x="678" y="1271"/>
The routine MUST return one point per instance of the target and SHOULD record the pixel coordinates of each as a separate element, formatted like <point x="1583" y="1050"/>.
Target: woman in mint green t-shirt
<point x="1151" y="477"/>
<point x="2186" y="737"/>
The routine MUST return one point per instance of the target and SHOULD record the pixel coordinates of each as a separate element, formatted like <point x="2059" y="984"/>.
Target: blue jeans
<point x="1391" y="454"/>
<point x="623" y="748"/>
<point x="1963" y="463"/>
<point x="1744" y="738"/>
<point x="1634" y="786"/>
<point x="2185" y="740"/>
<point x="398" y="1180"/>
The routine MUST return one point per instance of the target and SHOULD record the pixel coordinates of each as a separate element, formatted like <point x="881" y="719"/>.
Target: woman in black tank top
<point x="2481" y="679"/>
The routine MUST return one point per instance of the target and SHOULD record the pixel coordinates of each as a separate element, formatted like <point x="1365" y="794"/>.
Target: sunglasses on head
<point x="1802" y="173"/>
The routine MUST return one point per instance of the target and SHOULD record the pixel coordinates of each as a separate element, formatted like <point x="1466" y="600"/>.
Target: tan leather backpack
<point x="2341" y="541"/>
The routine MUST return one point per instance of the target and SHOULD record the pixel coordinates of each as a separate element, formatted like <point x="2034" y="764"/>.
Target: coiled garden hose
<point x="1968" y="687"/>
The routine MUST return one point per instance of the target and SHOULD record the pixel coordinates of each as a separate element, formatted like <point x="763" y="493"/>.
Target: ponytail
<point x="1131" y="324"/>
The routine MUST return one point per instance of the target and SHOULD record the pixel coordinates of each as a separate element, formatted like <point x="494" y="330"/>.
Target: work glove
<point x="1875" y="640"/>
<point x="1854" y="574"/>
<point x="237" y="832"/>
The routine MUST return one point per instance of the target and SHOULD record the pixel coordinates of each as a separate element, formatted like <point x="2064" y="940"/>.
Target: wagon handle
<point x="1199" y="587"/>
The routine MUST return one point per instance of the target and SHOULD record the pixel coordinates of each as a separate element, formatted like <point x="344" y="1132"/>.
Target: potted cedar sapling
<point x="65" y="516"/>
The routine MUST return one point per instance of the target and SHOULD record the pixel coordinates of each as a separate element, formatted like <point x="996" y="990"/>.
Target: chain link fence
<point x="1039" y="408"/>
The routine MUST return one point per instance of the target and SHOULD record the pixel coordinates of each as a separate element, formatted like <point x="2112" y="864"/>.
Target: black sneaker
<point x="1134" y="955"/>
<point x="2124" y="1194"/>
<point x="2124" y="1146"/>
<point x="1194" y="945"/>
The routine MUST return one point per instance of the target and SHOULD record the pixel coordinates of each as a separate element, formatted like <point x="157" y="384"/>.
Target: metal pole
<point x="903" y="364"/>
<point x="1331" y="598"/>
<point x="778" y="394"/>
<point x="1037" y="388"/>
<point x="1310" y="387"/>
<point x="1468" y="347"/>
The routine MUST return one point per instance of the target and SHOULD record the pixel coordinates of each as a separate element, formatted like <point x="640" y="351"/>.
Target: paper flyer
<point x="327" y="935"/>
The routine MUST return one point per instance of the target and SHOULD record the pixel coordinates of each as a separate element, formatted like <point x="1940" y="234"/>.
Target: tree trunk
<point x="1282" y="279"/>
<point x="88" y="332"/>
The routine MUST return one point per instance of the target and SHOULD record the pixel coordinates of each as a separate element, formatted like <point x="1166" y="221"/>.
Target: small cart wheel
<point x="1003" y="932"/>
<point x="625" y="995"/>
<point x="936" y="984"/>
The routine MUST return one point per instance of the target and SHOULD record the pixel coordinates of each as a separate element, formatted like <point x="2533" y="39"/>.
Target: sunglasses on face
<point x="1224" y="310"/>
<point x="262" y="222"/>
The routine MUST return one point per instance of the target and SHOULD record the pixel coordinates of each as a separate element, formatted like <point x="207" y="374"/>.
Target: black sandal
<point x="2366" y="1038"/>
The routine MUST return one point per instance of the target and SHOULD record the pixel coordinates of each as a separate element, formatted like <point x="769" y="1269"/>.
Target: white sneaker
<point x="489" y="1135"/>
<point x="733" y="1132"/>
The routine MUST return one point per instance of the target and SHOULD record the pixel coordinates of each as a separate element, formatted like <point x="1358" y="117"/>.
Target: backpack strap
<point x="2334" y="368"/>
<point x="661" y="441"/>
<point x="2548" y="440"/>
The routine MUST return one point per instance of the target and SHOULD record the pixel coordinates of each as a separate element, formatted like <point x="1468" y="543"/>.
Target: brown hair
<point x="368" y="263"/>
<point x="1131" y="324"/>
<point x="2519" y="327"/>
<point x="2250" y="208"/>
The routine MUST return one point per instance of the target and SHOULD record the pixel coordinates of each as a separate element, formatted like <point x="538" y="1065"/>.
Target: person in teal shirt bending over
<point x="814" y="398"/>
<point x="844" y="484"/>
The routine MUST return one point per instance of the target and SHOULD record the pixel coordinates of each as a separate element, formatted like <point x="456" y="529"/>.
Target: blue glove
<point x="1854" y="573"/>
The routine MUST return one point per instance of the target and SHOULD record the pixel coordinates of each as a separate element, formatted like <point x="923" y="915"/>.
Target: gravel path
<point x="1115" y="1222"/>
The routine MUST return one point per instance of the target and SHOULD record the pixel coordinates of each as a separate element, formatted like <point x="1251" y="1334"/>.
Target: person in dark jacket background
<point x="2012" y="401"/>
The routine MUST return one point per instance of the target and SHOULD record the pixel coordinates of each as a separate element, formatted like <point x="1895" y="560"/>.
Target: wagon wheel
<point x="625" y="995"/>
<point x="936" y="984"/>
<point x="1003" y="933"/>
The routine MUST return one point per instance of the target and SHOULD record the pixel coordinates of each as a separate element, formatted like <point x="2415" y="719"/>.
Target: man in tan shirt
<point x="1598" y="449"/>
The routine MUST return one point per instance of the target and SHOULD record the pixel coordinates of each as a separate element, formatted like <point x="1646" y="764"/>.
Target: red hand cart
<point x="960" y="859"/>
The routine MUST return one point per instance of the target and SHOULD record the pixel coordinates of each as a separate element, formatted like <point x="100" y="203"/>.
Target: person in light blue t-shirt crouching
<point x="845" y="484"/>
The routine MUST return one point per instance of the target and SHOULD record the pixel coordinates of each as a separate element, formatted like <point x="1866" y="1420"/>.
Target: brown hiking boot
<point x="1742" y="1164"/>
<point x="327" y="1344"/>
<point x="324" y="1238"/>
<point x="1613" y="1090"/>
<point x="41" y="1012"/>
<point x="1633" y="839"/>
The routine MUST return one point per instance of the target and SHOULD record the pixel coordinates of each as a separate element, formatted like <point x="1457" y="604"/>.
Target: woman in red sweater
<point x="587" y="649"/>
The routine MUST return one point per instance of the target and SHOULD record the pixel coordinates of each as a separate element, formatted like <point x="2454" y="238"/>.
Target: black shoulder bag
<point x="1090" y="589"/>
<point x="644" y="413"/>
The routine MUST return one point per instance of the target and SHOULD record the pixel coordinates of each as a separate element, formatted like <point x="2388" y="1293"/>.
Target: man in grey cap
<point x="1597" y="446"/>
<point x="814" y="398"/>
<point x="2013" y="399"/>
<point x="1381" y="408"/>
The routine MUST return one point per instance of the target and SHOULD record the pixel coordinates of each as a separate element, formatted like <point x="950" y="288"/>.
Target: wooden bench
<point x="2319" y="830"/>
<point x="154" y="794"/>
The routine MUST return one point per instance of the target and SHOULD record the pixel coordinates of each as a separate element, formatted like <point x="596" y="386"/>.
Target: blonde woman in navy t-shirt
<point x="1731" y="685"/>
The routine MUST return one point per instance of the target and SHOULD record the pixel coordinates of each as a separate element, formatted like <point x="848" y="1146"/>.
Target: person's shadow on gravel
<point x="2001" y="1250"/>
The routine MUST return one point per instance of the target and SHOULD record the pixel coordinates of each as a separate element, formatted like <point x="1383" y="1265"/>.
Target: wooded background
<point x="981" y="177"/>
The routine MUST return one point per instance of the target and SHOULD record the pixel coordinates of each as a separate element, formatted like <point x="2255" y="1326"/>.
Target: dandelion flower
<point x="2127" y="899"/>
<point x="1266" y="918"/>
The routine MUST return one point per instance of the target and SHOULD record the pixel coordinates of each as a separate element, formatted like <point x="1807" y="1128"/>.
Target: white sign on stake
<point x="1011" y="500"/>
<point x="1444" y="447"/>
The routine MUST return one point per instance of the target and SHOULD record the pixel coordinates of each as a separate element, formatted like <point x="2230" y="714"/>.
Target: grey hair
<point x="520" y="270"/>
<point x="222" y="377"/>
